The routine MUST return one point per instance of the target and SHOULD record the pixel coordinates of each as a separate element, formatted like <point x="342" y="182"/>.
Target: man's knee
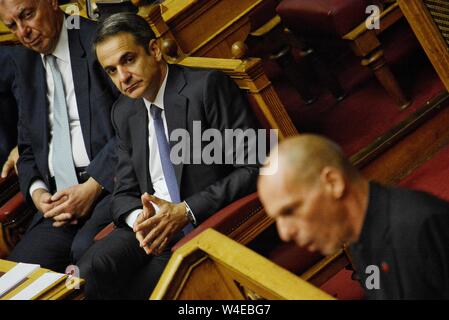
<point x="80" y="246"/>
<point x="92" y="261"/>
<point x="95" y="267"/>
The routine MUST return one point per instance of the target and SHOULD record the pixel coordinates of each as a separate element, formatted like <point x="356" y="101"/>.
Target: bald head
<point x="302" y="158"/>
<point x="316" y="196"/>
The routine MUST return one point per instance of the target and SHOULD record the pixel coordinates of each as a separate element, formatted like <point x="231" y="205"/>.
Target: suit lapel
<point x="80" y="72"/>
<point x="175" y="106"/>
<point x="138" y="124"/>
<point x="378" y="242"/>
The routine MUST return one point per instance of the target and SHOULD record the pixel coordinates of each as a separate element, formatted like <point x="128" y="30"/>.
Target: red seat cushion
<point x="331" y="17"/>
<point x="227" y="219"/>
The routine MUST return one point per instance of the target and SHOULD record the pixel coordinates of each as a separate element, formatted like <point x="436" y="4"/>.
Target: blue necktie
<point x="62" y="159"/>
<point x="164" y="153"/>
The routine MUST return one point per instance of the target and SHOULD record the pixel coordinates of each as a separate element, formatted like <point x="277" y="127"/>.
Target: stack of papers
<point x="39" y="286"/>
<point x="15" y="276"/>
<point x="21" y="273"/>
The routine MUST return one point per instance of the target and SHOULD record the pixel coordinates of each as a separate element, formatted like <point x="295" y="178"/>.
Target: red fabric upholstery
<point x="330" y="17"/>
<point x="103" y="233"/>
<point x="228" y="218"/>
<point x="13" y="206"/>
<point x="9" y="186"/>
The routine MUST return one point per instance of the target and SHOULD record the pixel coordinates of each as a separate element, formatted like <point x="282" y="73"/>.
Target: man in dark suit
<point x="156" y="200"/>
<point x="66" y="140"/>
<point x="398" y="239"/>
<point x="8" y="108"/>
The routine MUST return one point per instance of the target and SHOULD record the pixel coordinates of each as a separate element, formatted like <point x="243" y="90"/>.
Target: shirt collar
<point x="62" y="47"/>
<point x="159" y="100"/>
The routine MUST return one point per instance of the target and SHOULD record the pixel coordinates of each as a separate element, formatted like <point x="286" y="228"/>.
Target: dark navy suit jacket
<point x="9" y="96"/>
<point x="190" y="95"/>
<point x="95" y="95"/>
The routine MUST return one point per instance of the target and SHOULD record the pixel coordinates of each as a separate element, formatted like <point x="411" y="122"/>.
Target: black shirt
<point x="403" y="250"/>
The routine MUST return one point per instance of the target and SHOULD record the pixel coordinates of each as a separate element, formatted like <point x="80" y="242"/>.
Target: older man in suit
<point x="157" y="200"/>
<point x="9" y="95"/>
<point x="66" y="140"/>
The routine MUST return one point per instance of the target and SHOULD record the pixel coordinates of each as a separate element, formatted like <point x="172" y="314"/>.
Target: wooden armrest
<point x="12" y="208"/>
<point x="242" y="220"/>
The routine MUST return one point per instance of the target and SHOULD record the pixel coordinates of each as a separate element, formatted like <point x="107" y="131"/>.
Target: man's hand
<point x="147" y="213"/>
<point x="42" y="200"/>
<point x="154" y="232"/>
<point x="11" y="162"/>
<point x="78" y="203"/>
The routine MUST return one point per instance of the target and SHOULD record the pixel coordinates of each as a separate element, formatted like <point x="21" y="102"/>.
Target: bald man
<point x="399" y="239"/>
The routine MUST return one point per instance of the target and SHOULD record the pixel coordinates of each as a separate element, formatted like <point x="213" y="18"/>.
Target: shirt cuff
<point x="132" y="217"/>
<point x="37" y="184"/>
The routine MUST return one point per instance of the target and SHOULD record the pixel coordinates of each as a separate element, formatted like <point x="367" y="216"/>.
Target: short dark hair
<point x="126" y="22"/>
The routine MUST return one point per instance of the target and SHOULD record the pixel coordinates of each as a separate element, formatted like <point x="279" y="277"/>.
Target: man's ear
<point x="333" y="181"/>
<point x="155" y="49"/>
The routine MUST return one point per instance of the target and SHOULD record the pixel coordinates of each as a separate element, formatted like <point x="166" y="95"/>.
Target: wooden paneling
<point x="221" y="22"/>
<point x="202" y="28"/>
<point x="428" y="33"/>
<point x="249" y="76"/>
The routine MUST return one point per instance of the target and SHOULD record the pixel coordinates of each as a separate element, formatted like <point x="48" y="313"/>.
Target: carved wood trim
<point x="428" y="35"/>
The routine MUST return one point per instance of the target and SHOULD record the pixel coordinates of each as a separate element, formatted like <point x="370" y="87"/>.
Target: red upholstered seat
<point x="227" y="219"/>
<point x="15" y="216"/>
<point x="13" y="207"/>
<point x="324" y="23"/>
<point x="331" y="17"/>
<point x="9" y="186"/>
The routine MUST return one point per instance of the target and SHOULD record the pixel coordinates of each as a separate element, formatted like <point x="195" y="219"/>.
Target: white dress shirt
<point x="155" y="164"/>
<point x="79" y="152"/>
